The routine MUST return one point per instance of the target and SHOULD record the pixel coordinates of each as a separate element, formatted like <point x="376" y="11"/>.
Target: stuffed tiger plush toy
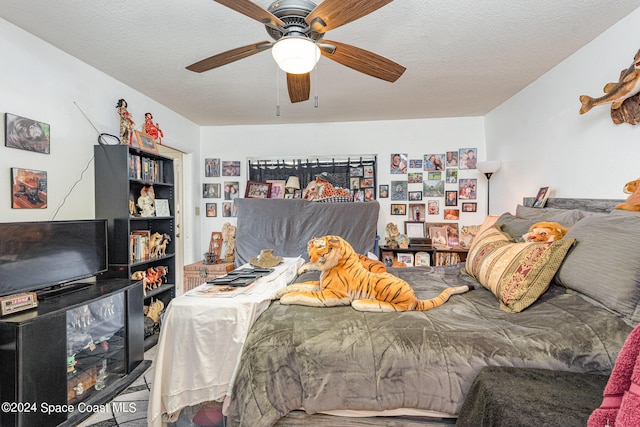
<point x="344" y="280"/>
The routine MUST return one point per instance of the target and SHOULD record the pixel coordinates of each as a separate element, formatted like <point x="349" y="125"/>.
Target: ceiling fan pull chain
<point x="277" y="92"/>
<point x="315" y="77"/>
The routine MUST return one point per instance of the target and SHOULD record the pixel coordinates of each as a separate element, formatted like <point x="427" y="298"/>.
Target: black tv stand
<point x="57" y="291"/>
<point x="34" y="362"/>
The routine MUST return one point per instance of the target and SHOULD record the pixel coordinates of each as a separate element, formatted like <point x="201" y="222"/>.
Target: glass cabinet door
<point x="95" y="346"/>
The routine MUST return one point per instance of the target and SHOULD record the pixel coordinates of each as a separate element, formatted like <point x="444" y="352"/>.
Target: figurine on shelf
<point x="152" y="129"/>
<point x="126" y="124"/>
<point x="146" y="201"/>
<point x="393" y="233"/>
<point x="229" y="239"/>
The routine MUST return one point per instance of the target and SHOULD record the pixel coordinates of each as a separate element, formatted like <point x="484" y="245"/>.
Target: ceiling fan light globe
<point x="295" y="55"/>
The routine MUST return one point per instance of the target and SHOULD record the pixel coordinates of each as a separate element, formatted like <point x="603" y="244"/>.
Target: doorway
<point x="178" y="165"/>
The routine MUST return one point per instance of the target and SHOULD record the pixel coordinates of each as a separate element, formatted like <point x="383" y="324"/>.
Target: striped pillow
<point x="517" y="273"/>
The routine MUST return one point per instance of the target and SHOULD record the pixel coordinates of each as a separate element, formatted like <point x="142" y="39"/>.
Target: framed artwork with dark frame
<point x="146" y="142"/>
<point x="451" y="198"/>
<point x="211" y="209"/>
<point x="28" y="189"/>
<point x="469" y="207"/>
<point x="398" y="209"/>
<point x="383" y="191"/>
<point x="258" y="190"/>
<point x="414" y="229"/>
<point x="415" y="195"/>
<point x="211" y="191"/>
<point x="26" y="134"/>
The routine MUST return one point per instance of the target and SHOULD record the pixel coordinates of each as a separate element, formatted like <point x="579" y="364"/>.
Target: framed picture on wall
<point x="211" y="168"/>
<point x="398" y="209"/>
<point x="229" y="210"/>
<point x="383" y="191"/>
<point x="231" y="168"/>
<point x="417" y="211"/>
<point x="26" y="134"/>
<point x="469" y="207"/>
<point x="212" y="209"/>
<point x="452" y="214"/>
<point x="467" y="187"/>
<point x="468" y="158"/>
<point x="433" y="207"/>
<point x="415" y="195"/>
<point x="415" y="178"/>
<point x="399" y="163"/>
<point x="28" y="189"/>
<point x="210" y="191"/>
<point x="451" y="198"/>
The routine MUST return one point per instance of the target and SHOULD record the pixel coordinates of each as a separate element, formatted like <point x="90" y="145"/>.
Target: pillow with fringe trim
<point x="518" y="273"/>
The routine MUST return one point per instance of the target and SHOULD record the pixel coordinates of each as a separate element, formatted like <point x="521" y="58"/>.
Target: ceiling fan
<point x="303" y="24"/>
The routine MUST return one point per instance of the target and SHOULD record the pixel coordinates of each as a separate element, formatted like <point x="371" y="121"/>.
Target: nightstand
<point x="198" y="273"/>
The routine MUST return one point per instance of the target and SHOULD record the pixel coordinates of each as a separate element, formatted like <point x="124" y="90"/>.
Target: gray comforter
<point x="338" y="358"/>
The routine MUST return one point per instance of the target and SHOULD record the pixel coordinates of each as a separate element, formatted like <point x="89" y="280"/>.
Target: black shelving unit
<point x="121" y="172"/>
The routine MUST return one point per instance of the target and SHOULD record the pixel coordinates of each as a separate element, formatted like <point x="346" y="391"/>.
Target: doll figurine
<point x="152" y="129"/>
<point x="126" y="124"/>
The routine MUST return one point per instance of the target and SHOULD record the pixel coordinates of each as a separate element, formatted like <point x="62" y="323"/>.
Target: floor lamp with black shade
<point x="488" y="168"/>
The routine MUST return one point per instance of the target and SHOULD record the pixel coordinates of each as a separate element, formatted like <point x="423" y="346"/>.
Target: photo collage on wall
<point x="433" y="187"/>
<point x="361" y="181"/>
<point x="226" y="191"/>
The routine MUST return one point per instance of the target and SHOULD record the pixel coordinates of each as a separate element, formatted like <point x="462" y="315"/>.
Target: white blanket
<point x="201" y="342"/>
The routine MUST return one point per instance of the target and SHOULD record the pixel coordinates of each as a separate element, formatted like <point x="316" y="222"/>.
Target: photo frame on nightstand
<point x="414" y="229"/>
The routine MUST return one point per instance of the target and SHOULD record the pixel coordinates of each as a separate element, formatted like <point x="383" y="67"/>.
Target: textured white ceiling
<point x="463" y="58"/>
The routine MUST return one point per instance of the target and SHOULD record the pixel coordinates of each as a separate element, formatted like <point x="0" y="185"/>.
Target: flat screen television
<point x="48" y="254"/>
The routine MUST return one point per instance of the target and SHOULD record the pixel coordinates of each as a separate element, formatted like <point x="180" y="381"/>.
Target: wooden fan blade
<point x="299" y="86"/>
<point x="229" y="56"/>
<point x="253" y="11"/>
<point x="333" y="13"/>
<point x="364" y="61"/>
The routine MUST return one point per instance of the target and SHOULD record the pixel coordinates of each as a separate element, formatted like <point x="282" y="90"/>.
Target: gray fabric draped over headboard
<point x="287" y="225"/>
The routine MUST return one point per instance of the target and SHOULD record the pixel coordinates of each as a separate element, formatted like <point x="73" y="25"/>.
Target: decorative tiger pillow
<point x="345" y="281"/>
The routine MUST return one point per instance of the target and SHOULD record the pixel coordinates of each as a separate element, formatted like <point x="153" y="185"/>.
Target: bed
<point x="342" y="362"/>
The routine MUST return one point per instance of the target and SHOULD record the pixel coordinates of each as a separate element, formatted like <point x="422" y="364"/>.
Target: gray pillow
<point x="603" y="265"/>
<point x="513" y="226"/>
<point x="566" y="217"/>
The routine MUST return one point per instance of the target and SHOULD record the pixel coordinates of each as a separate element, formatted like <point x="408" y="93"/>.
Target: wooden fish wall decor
<point x="623" y="95"/>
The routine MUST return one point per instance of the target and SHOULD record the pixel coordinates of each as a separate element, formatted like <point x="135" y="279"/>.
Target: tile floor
<point x="134" y="399"/>
<point x="136" y="396"/>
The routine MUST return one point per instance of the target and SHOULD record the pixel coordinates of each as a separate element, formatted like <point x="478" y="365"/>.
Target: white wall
<point x="40" y="82"/>
<point x="542" y="140"/>
<point x="414" y="137"/>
